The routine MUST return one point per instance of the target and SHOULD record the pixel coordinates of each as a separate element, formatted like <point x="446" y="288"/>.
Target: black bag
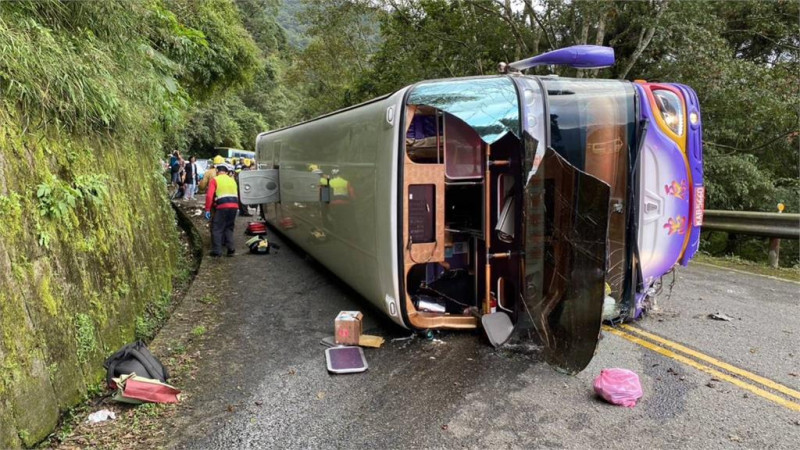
<point x="134" y="358"/>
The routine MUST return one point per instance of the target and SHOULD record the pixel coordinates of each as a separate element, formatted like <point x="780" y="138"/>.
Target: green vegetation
<point x="198" y="331"/>
<point x="734" y="262"/>
<point x="151" y="319"/>
<point x="208" y="299"/>
<point x="84" y="334"/>
<point x="93" y="94"/>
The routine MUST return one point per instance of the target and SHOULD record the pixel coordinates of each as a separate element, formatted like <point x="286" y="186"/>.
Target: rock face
<point x="87" y="242"/>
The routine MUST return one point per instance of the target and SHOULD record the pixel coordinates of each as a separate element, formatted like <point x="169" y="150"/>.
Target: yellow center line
<point x="716" y="373"/>
<point x="722" y="365"/>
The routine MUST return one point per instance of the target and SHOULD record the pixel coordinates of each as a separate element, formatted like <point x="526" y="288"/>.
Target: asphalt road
<point x="262" y="380"/>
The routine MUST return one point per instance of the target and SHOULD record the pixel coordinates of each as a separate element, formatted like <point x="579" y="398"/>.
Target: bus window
<point x="424" y="135"/>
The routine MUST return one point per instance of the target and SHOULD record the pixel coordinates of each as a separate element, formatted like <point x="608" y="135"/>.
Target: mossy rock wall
<point x="87" y="241"/>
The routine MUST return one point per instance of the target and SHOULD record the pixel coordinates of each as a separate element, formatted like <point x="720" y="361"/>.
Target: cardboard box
<point x="347" y="327"/>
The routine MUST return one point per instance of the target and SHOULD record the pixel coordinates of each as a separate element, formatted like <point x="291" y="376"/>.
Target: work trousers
<point x="222" y="230"/>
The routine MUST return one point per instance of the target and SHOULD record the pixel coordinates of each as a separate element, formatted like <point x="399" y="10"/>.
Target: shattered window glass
<point x="565" y="265"/>
<point x="488" y="105"/>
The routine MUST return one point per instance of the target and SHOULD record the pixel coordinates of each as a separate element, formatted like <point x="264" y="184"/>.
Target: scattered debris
<point x="320" y="395"/>
<point x="134" y="389"/>
<point x="407" y="338"/>
<point x="367" y="340"/>
<point x="498" y="328"/>
<point x="734" y="438"/>
<point x="258" y="245"/>
<point x="258" y="402"/>
<point x="754" y="350"/>
<point x="347" y="327"/>
<point x="101" y="416"/>
<point x="720" y="316"/>
<point x="345" y="359"/>
<point x="256" y="228"/>
<point x="618" y="387"/>
<point x="134" y="358"/>
<point x="329" y="341"/>
<point x="792" y="374"/>
<point x="444" y="427"/>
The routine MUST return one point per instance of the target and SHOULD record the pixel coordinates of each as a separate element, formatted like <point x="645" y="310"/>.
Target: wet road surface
<point x="262" y="381"/>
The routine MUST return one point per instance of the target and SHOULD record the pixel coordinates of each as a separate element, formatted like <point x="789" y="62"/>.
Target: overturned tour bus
<point x="505" y="201"/>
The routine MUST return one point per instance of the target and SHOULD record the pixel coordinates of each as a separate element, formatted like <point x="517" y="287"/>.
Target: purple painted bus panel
<point x="664" y="214"/>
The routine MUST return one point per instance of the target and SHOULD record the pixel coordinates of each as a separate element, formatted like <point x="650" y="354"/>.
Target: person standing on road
<point x="223" y="196"/>
<point x="181" y="176"/>
<point x="190" y="179"/>
<point x="175" y="168"/>
<point x="208" y="175"/>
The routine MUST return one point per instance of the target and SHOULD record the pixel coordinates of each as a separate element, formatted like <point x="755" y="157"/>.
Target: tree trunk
<point x="645" y="36"/>
<point x="601" y="35"/>
<point x="584" y="38"/>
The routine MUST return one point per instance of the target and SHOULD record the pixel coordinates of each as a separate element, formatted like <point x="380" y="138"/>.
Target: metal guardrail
<point x="772" y="225"/>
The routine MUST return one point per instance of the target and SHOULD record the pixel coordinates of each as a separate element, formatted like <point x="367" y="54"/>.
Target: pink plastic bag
<point x="618" y="386"/>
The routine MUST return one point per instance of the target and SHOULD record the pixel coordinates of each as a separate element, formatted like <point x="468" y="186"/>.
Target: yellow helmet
<point x="246" y="162"/>
<point x="218" y="160"/>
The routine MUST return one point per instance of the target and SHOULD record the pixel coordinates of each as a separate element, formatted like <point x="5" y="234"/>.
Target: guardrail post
<point x="775" y="245"/>
<point x="774" y="252"/>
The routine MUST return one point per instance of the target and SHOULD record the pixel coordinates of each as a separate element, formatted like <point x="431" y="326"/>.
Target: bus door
<point x="566" y="216"/>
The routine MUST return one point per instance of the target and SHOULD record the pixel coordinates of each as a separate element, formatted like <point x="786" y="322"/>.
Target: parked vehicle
<point x="537" y="197"/>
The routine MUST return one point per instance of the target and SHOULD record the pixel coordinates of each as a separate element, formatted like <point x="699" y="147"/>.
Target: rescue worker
<point x="339" y="209"/>
<point x="208" y="175"/>
<point x="223" y="196"/>
<point x="341" y="191"/>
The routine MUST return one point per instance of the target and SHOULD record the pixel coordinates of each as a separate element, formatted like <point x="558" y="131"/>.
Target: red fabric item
<point x="256" y="228"/>
<point x="154" y="392"/>
<point x="618" y="387"/>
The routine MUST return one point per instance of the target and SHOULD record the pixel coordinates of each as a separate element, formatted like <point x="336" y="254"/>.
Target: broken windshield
<point x="489" y="105"/>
